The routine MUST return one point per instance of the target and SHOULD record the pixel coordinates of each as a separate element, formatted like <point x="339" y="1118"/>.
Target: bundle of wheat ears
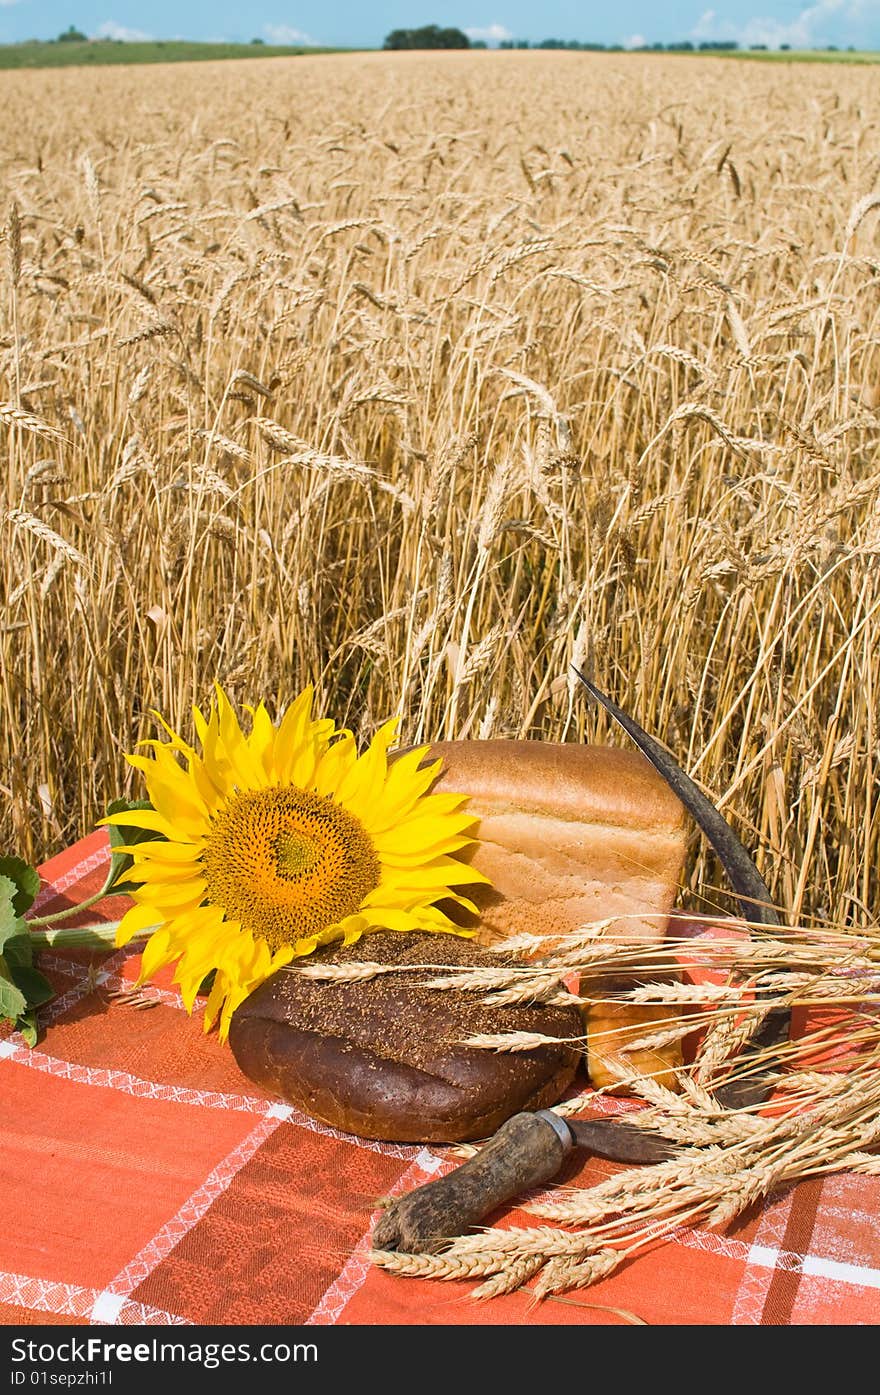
<point x="823" y="1115"/>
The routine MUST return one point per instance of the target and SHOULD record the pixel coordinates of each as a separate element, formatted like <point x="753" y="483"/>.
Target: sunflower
<point x="275" y="842"/>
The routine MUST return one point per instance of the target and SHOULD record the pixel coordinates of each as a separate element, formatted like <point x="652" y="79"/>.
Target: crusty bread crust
<point x="572" y="783"/>
<point x="568" y="835"/>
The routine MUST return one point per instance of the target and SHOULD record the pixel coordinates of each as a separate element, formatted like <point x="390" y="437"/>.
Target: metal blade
<point x="754" y="898"/>
<point x="751" y="890"/>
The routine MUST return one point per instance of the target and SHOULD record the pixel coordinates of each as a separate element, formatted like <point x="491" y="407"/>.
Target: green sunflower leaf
<point x="12" y="1001"/>
<point x="35" y="986"/>
<point x="25" y="881"/>
<point x="122" y="839"/>
<point x="12" y="927"/>
<point x="18" y="950"/>
<point x="27" y="1025"/>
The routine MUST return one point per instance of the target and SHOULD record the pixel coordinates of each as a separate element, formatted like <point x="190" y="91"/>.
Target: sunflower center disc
<point x="297" y="854"/>
<point x="287" y="863"/>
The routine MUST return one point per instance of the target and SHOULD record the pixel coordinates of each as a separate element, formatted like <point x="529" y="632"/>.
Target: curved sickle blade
<point x="754" y="898"/>
<point x="751" y="890"/>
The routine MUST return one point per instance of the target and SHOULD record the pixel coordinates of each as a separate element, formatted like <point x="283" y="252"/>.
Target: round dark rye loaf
<point x="383" y="1057"/>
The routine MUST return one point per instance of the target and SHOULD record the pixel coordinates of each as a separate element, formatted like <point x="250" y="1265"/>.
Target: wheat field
<point x="421" y="376"/>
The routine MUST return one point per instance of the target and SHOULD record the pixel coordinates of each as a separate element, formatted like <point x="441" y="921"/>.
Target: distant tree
<point x="479" y="43"/>
<point x="258" y="41"/>
<point x="574" y="45"/>
<point x="71" y="36"/>
<point x="758" y="48"/>
<point x="785" y="48"/>
<point x="429" y="36"/>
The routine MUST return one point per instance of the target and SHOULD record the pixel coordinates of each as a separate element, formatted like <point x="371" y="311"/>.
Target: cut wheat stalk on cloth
<point x="707" y="1148"/>
<point x="425" y="945"/>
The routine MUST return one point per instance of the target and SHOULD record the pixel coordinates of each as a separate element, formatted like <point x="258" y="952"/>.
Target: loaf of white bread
<point x="570" y="835"/>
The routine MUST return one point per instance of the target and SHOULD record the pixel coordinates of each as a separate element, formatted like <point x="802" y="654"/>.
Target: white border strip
<point x="129" y="1084"/>
<point x="71" y="1300"/>
<point x="357" y="1267"/>
<point x="73" y="875"/>
<point x="191" y="1212"/>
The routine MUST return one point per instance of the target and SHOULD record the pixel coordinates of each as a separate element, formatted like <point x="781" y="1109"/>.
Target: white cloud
<point x="286" y="34"/>
<point x="635" y="41"/>
<point x="489" y="33"/>
<point x="823" y="22"/>
<point x="111" y="30"/>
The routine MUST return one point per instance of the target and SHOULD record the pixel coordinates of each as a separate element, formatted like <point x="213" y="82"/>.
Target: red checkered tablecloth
<point x="147" y="1181"/>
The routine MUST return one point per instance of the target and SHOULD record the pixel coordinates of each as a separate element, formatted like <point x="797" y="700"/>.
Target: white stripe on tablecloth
<point x="87" y="984"/>
<point x="861" y="1275"/>
<point x="751" y="1297"/>
<point x="191" y="1212"/>
<point x="195" y="1207"/>
<point x="12" y="1048"/>
<point x="129" y="1084"/>
<point x="71" y="1300"/>
<point x="72" y="876"/>
<point x="356" y="1269"/>
<point x="115" y="980"/>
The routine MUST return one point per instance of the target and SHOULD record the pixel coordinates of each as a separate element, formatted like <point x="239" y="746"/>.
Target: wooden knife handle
<point x="527" y="1151"/>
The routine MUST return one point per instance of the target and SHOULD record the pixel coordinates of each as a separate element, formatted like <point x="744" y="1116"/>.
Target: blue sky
<point x="353" y="22"/>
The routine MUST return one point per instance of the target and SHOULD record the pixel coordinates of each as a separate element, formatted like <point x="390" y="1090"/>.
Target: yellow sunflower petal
<point x="368" y="772"/>
<point x="244" y="763"/>
<point x="171" y="898"/>
<point x="207" y="943"/>
<point x="200" y="724"/>
<point x="157" y="953"/>
<point x="290" y="736"/>
<point x="442" y="872"/>
<point x="335" y="764"/>
<point x="420" y="920"/>
<point x="147" y="819"/>
<point x="172" y="795"/>
<point x="173" y="854"/>
<point x="160" y="874"/>
<point x="421" y="832"/>
<point x="136" y="920"/>
<point x="417" y="859"/>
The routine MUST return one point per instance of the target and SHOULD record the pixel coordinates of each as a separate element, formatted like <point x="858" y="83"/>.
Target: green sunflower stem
<point x="100" y="937"/>
<point x="41" y="920"/>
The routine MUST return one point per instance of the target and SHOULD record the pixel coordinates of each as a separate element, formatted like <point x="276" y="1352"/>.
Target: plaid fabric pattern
<point x="153" y="1184"/>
